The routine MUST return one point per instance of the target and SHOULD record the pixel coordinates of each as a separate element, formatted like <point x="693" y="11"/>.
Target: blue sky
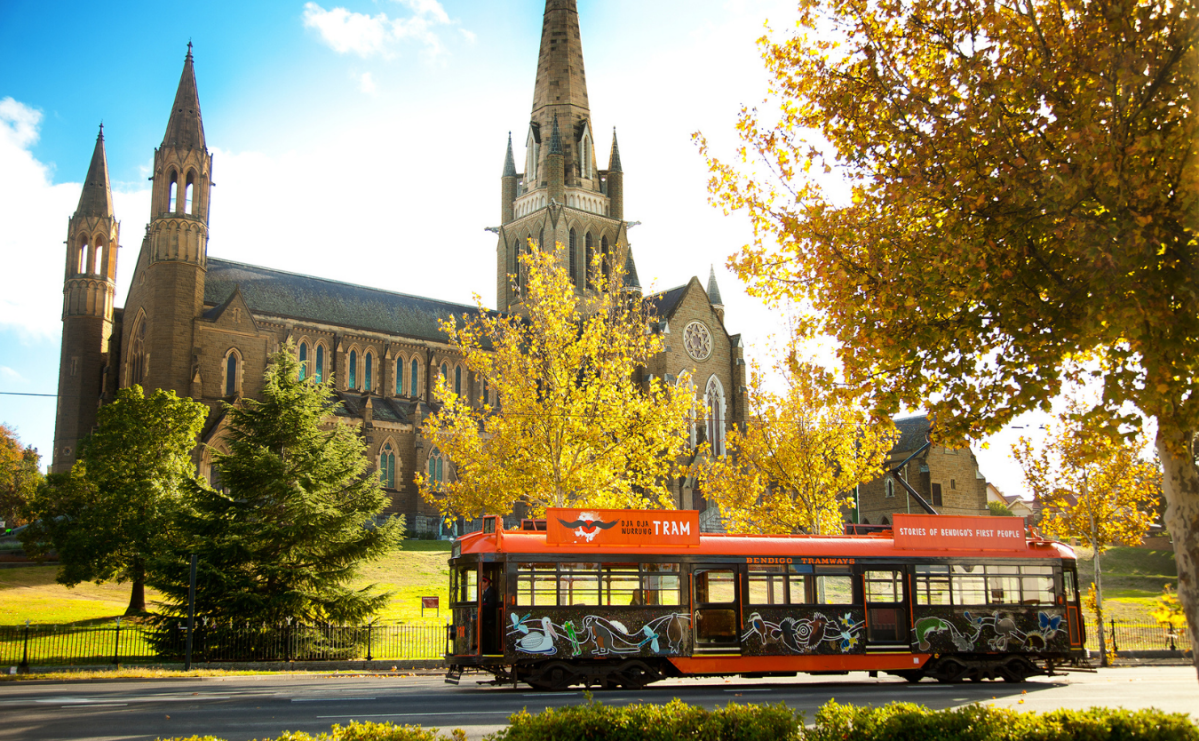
<point x="359" y="140"/>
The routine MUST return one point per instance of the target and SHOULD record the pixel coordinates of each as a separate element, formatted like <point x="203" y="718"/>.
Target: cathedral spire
<point x="614" y="160"/>
<point x="561" y="80"/>
<point x="713" y="289"/>
<point x="96" y="198"/>
<point x="185" y="130"/>
<point x="509" y="162"/>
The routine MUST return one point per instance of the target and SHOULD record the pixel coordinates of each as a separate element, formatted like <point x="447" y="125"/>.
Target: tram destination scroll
<point x="939" y="532"/>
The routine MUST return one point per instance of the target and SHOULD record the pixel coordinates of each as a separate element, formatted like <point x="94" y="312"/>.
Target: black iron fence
<point x="116" y="643"/>
<point x="1129" y="636"/>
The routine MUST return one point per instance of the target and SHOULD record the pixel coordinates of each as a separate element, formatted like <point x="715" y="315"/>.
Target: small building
<point x="947" y="478"/>
<point x="1017" y="506"/>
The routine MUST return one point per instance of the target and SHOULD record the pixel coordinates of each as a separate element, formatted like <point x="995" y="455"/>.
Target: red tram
<point x="625" y="598"/>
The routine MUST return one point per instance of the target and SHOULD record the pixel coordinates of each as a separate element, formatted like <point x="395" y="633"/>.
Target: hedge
<point x="677" y="721"/>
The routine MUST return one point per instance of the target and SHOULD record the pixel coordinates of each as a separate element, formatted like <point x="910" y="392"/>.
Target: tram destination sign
<point x="917" y="532"/>
<point x="636" y="527"/>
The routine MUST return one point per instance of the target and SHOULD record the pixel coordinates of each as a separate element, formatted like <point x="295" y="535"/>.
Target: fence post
<point x="191" y="615"/>
<point x="1115" y="648"/>
<point x="116" y="646"/>
<point x="369" y="633"/>
<point x="23" y="667"/>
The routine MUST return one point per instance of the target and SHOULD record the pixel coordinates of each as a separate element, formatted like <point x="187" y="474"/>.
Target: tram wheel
<point x="636" y="674"/>
<point x="912" y="675"/>
<point x="949" y="671"/>
<point x="1016" y="671"/>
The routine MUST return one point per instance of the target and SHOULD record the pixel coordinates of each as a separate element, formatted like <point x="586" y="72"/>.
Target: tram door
<point x="715" y="602"/>
<point x="491" y="609"/>
<point x="885" y="590"/>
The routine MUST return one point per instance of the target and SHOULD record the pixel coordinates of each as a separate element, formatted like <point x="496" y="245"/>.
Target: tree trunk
<point x="137" y="595"/>
<point x="1099" y="605"/>
<point x="1180" y="483"/>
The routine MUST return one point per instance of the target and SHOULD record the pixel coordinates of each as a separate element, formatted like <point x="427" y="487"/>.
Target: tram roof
<point x="794" y="546"/>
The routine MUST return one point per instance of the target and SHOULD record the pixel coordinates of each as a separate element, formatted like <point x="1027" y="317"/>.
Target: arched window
<point x="387" y="466"/>
<point x="541" y="239"/>
<point x="574" y="258"/>
<point x="353" y="369"/>
<point x="137" y="353"/>
<point x="81" y="258"/>
<point x="319" y="370"/>
<point x="486" y="393"/>
<point x="231" y="369"/>
<point x="585" y="165"/>
<point x="303" y="360"/>
<point x="686" y="382"/>
<point x="604" y="258"/>
<point x="589" y="253"/>
<point x="399" y="376"/>
<point x="173" y="193"/>
<point x="458" y="380"/>
<point x="98" y="266"/>
<point x="369" y="374"/>
<point x="715" y="410"/>
<point x="189" y="192"/>
<point x="414" y="380"/>
<point x="890" y="487"/>
<point x="436" y="470"/>
<point x="445" y="373"/>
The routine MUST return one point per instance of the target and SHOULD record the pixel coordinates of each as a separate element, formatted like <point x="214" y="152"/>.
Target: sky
<point x="364" y="142"/>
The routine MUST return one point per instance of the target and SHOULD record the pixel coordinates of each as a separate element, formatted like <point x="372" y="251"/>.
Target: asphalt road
<point x="240" y="708"/>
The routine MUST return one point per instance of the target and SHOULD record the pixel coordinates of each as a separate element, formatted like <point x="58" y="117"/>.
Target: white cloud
<point x="8" y="374"/>
<point x="347" y="32"/>
<point x="470" y="36"/>
<point x="366" y="83"/>
<point x="34" y="212"/>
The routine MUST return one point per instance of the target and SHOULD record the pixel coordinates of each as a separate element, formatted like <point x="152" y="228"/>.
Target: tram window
<point x="1037" y="590"/>
<point x="969" y="585"/>
<point x="1071" y="587"/>
<point x="537" y="585"/>
<point x="620" y="585"/>
<point x="466" y="586"/>
<point x="799" y="583"/>
<point x="715" y="587"/>
<point x="1002" y="589"/>
<point x="767" y="585"/>
<point x="660" y="583"/>
<point x="579" y="584"/>
<point x="884" y="586"/>
<point x="932" y="585"/>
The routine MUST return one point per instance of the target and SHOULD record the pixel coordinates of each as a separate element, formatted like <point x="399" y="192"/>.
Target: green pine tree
<point x="282" y="537"/>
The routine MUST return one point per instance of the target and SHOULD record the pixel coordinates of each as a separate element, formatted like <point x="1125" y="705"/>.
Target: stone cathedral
<point x="204" y="326"/>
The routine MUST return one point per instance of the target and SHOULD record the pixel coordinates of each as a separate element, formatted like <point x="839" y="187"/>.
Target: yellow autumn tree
<point x="974" y="195"/>
<point x="565" y="420"/>
<point x="1091" y="486"/>
<point x="800" y="455"/>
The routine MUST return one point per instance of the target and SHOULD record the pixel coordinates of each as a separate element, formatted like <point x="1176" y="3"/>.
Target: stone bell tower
<point x="562" y="196"/>
<point x="89" y="288"/>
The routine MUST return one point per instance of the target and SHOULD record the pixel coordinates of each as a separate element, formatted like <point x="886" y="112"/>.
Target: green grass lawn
<point x="1132" y="579"/>
<point x="419" y="569"/>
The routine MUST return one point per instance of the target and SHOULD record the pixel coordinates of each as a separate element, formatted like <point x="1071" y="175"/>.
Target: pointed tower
<point x="89" y="286"/>
<point x="175" y="251"/>
<point x="562" y="196"/>
<point x="714" y="293"/>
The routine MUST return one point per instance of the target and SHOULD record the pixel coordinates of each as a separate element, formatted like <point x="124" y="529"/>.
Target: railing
<point x="68" y="645"/>
<point x="1129" y="636"/>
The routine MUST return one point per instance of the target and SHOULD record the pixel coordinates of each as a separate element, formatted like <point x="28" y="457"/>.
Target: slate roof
<point x="663" y="304"/>
<point x="913" y="432"/>
<point x="383" y="409"/>
<point x="303" y="297"/>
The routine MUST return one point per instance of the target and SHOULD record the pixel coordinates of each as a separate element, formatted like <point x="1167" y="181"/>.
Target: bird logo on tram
<point x="588" y="525"/>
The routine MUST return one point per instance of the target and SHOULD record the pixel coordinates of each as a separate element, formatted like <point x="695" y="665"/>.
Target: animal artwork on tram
<point x="997" y="631"/>
<point x="805" y="635"/>
<point x="599" y="636"/>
